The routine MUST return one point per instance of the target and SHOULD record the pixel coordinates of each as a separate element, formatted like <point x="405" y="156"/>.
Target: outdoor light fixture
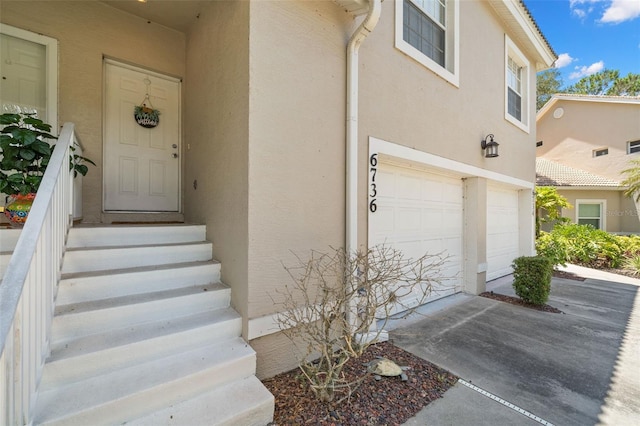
<point x="489" y="146"/>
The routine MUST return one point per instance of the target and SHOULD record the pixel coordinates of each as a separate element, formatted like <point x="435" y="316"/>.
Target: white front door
<point x="141" y="165"/>
<point x="28" y="74"/>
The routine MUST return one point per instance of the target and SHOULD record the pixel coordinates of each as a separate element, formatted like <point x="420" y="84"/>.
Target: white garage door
<point x="502" y="231"/>
<point x="417" y="213"/>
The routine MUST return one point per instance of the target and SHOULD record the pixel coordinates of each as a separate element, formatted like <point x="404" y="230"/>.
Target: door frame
<point x="51" y="74"/>
<point x="111" y="61"/>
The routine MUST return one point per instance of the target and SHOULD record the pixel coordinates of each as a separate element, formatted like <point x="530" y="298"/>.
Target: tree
<point x="599" y="83"/>
<point x="339" y="303"/>
<point x="605" y="82"/>
<point x="626" y="86"/>
<point x="549" y="205"/>
<point x="632" y="180"/>
<point x="548" y="83"/>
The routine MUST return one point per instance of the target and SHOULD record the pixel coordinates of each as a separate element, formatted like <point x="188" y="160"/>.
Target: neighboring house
<point x="255" y="96"/>
<point x="587" y="141"/>
<point x="596" y="200"/>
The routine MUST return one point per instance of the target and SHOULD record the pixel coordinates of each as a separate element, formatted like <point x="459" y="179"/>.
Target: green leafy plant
<point x="549" y="205"/>
<point x="632" y="264"/>
<point x="532" y="278"/>
<point x="554" y="247"/>
<point x="26" y="152"/>
<point x="582" y="245"/>
<point x="630" y="244"/>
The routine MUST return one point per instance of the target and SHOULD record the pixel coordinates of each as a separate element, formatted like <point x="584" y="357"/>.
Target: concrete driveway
<point x="526" y="367"/>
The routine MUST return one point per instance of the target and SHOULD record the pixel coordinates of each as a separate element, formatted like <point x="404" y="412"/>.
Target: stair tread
<point x="166" y="266"/>
<point x="138" y="246"/>
<point x="96" y="391"/>
<point x="94" y="305"/>
<point x="220" y="406"/>
<point x="137" y="333"/>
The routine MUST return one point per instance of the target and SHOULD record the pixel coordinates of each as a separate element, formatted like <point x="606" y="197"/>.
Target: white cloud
<point x="564" y="59"/>
<point x="585" y="71"/>
<point x="581" y="8"/>
<point x="620" y="11"/>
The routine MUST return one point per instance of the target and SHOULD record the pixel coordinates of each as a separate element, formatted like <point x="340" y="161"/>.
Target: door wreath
<point x="146" y="116"/>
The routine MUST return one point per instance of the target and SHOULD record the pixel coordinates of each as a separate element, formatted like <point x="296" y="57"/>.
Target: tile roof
<point x="537" y="27"/>
<point x="550" y="173"/>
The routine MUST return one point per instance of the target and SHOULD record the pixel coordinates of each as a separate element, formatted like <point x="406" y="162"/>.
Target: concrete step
<point x="133" y="392"/>
<point x="8" y="239"/>
<point x="129" y="256"/>
<point x="243" y="402"/>
<point x="119" y="235"/>
<point x="85" y="286"/>
<point x="92" y="317"/>
<point x="99" y="354"/>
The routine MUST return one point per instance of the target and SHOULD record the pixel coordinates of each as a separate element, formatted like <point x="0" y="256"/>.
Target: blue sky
<point x="590" y="35"/>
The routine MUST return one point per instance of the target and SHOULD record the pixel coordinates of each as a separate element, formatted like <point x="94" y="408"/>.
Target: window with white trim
<point x="590" y="212"/>
<point x="633" y="147"/>
<point x="600" y="152"/>
<point x="427" y="31"/>
<point x="516" y="86"/>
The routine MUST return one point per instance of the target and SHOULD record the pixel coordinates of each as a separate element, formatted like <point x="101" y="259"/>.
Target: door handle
<point x="174" y="155"/>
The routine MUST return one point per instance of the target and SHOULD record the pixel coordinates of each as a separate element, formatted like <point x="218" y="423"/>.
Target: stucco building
<point x="280" y="135"/>
<point x="587" y="141"/>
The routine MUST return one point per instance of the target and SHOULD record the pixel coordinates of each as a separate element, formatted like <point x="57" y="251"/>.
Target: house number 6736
<point x="373" y="192"/>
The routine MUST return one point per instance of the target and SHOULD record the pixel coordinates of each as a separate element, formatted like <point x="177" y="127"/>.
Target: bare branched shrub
<point x="332" y="310"/>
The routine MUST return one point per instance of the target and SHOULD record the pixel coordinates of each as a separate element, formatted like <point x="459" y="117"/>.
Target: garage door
<point x="502" y="231"/>
<point x="420" y="212"/>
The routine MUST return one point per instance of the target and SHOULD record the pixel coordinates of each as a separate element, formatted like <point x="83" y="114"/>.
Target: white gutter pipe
<point x="366" y="27"/>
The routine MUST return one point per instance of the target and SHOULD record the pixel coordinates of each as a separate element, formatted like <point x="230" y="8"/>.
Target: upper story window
<point x="516" y="86"/>
<point x="633" y="146"/>
<point x="600" y="152"/>
<point x="427" y="31"/>
<point x="514" y="89"/>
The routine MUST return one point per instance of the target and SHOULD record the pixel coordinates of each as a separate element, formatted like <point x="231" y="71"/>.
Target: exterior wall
<point x="427" y="113"/>
<point x="585" y="126"/>
<point x="216" y="133"/>
<point x="297" y="140"/>
<point x="296" y="149"/>
<point x="86" y="32"/>
<point x="621" y="214"/>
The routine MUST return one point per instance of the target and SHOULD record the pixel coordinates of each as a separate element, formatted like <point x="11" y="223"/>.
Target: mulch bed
<point x="519" y="302"/>
<point x="388" y="401"/>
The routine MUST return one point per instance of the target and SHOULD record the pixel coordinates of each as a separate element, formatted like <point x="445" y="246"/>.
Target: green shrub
<point x="630" y="244"/>
<point x="632" y="264"/>
<point x="554" y="247"/>
<point x="582" y="245"/>
<point x="532" y="278"/>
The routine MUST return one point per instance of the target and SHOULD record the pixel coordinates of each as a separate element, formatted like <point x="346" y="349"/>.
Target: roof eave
<point x="519" y="20"/>
<point x="589" y="188"/>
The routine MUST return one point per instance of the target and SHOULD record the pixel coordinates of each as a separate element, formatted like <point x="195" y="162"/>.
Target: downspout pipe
<point x="366" y="27"/>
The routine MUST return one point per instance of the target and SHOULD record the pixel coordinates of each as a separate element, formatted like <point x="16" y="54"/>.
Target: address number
<point x="373" y="163"/>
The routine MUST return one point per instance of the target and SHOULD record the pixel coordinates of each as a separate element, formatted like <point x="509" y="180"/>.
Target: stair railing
<point x="29" y="285"/>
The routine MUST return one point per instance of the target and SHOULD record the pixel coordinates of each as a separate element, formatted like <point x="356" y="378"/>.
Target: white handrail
<point x="29" y="285"/>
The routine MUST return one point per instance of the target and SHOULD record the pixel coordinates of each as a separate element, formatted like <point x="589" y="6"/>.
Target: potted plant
<point x="24" y="156"/>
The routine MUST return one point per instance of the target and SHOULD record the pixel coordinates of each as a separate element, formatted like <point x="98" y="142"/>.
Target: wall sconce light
<point x="489" y="146"/>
